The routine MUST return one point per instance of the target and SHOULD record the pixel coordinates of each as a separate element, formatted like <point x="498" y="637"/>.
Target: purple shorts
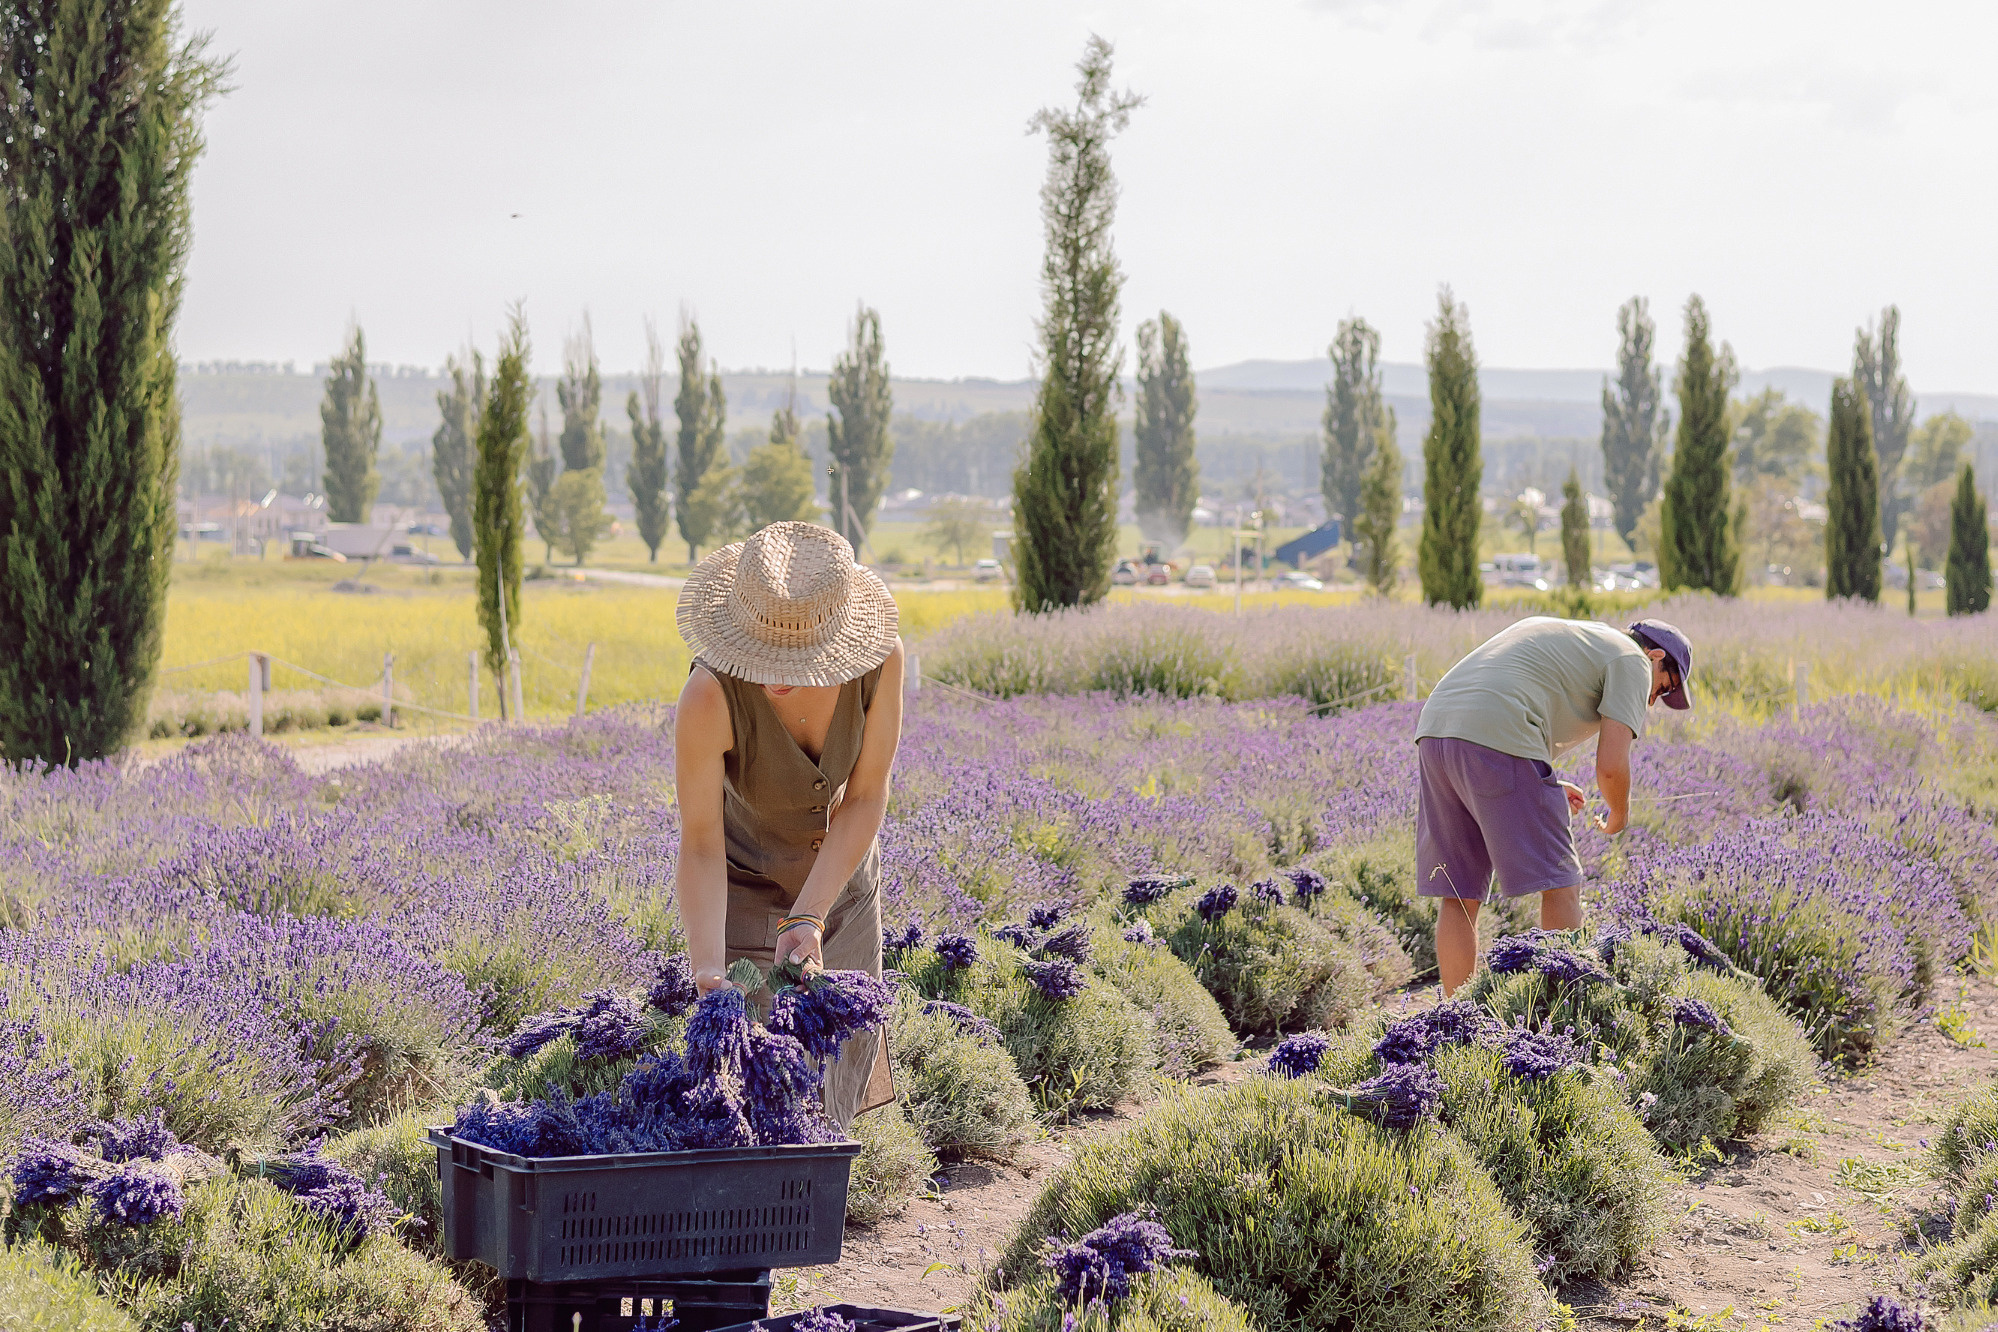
<point x="1483" y="812"/>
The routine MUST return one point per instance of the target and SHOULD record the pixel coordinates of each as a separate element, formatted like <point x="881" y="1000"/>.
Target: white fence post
<point x="513" y="680"/>
<point x="260" y="680"/>
<point x="583" y="688"/>
<point x="472" y="683"/>
<point x="912" y="678"/>
<point x="1803" y="696"/>
<point x="388" y="689"/>
<point x="1410" y="681"/>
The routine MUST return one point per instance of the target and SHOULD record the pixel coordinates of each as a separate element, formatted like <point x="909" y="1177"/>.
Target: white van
<point x="1519" y="571"/>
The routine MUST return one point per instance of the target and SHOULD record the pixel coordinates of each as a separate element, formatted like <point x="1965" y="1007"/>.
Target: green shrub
<point x="397" y="1158"/>
<point x="1085" y="1053"/>
<point x="962" y="1093"/>
<point x="1963" y="1271"/>
<point x="1376" y="943"/>
<point x="1270" y="967"/>
<point x="1192" y="1032"/>
<point x="1172" y="1299"/>
<point x="256" y="1259"/>
<point x="893" y="1166"/>
<point x="1379" y="876"/>
<point x="40" y="1291"/>
<point x="1304" y="1215"/>
<point x="1967" y="1135"/>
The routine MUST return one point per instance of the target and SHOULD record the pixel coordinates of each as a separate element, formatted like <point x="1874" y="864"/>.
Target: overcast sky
<point x="765" y="164"/>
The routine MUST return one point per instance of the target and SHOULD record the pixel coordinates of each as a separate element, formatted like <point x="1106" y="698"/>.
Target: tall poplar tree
<point x="350" y="433"/>
<point x="1876" y="368"/>
<point x="1378" y="522"/>
<point x="454" y="447"/>
<point x="857" y="431"/>
<point x="776" y="481"/>
<point x="1065" y="493"/>
<point x="1354" y="411"/>
<point x="498" y="525"/>
<point x="543" y="465"/>
<point x="100" y="108"/>
<point x="1968" y="589"/>
<point x="1699" y="533"/>
<point x="649" y="474"/>
<point x="1575" y="551"/>
<point x="1453" y="465"/>
<point x="576" y="501"/>
<point x="1852" y="497"/>
<point x="1166" y="475"/>
<point x="1635" y="422"/>
<point x="701" y="480"/>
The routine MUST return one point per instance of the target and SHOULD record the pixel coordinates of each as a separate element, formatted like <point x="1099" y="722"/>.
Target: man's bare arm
<point x="1613" y="773"/>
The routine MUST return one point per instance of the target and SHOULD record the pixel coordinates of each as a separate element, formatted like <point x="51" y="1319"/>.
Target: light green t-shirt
<point x="1541" y="687"/>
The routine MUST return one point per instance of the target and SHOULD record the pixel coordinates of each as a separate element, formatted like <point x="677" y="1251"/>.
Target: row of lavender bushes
<point x="263" y="955"/>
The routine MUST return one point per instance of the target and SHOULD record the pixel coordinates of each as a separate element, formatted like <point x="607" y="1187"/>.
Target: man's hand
<point x="1611" y="824"/>
<point x="1577" y="801"/>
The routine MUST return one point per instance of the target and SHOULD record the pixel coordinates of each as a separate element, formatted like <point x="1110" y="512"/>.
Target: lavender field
<point x="233" y="994"/>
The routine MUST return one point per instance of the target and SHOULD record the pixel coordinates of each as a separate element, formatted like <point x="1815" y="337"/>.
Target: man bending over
<point x="1490" y="805"/>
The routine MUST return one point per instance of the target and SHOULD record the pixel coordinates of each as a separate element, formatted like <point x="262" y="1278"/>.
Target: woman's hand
<point x="801" y="943"/>
<point x="709" y="978"/>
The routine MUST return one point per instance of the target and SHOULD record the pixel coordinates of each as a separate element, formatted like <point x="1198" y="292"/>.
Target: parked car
<point x="987" y="571"/>
<point x="1300" y="581"/>
<point x="407" y="554"/>
<point x="1200" y="575"/>
<point x="1158" y="575"/>
<point x="1125" y="574"/>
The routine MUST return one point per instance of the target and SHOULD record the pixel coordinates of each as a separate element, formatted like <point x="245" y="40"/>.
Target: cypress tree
<point x="100" y="106"/>
<point x="1968" y="590"/>
<point x="857" y="430"/>
<point x="1634" y="420"/>
<point x="1377" y="524"/>
<point x="1353" y="417"/>
<point x="700" y="481"/>
<point x="498" y="525"/>
<point x="1575" y="531"/>
<point x="1453" y="467"/>
<point x="776" y="482"/>
<point x="1852" y="497"/>
<point x="1699" y="543"/>
<point x="454" y="448"/>
<point x="543" y="466"/>
<point x="647" y="476"/>
<point x="577" y="500"/>
<point x="1876" y="368"/>
<point x="1166" y="475"/>
<point x="1065" y="493"/>
<point x="350" y="432"/>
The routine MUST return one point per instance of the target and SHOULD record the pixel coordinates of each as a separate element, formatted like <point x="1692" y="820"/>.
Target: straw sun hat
<point x="788" y="607"/>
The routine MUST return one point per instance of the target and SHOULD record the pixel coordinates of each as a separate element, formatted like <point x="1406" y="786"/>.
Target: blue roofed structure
<point x="1309" y="546"/>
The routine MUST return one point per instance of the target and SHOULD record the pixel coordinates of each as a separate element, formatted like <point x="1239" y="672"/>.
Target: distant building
<point x="1297" y="551"/>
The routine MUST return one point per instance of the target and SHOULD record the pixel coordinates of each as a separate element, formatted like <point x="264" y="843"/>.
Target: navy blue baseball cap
<point x="1667" y="639"/>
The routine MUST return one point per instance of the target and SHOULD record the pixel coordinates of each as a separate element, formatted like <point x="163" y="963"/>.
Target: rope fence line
<point x="198" y="665"/>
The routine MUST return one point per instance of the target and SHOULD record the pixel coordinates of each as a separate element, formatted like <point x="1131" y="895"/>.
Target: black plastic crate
<point x="643" y="1214"/>
<point x="863" y="1318"/>
<point x="727" y="1299"/>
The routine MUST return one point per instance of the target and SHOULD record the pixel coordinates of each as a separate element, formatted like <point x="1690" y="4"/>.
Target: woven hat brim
<point x="863" y="634"/>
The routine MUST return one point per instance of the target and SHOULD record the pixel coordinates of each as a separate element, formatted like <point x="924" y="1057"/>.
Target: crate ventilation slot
<point x="590" y="1237"/>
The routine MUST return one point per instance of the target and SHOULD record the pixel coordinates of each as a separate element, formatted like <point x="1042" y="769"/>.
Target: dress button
<point x="819" y="785"/>
<point x="818" y="809"/>
<point x="816" y="841"/>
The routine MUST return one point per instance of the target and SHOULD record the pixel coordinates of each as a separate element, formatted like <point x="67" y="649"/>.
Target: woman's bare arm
<point x="856" y="820"/>
<point x="701" y="735"/>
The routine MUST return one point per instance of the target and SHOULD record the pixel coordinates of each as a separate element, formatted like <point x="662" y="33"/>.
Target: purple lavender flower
<point x="1540" y="1054"/>
<point x="1308" y="885"/>
<point x="1144" y="892"/>
<point x="956" y="951"/>
<point x="718" y="1033"/>
<point x="49" y="1171"/>
<point x="1412" y="1040"/>
<point x="780" y="1091"/>
<point x="612" y="1027"/>
<point x="1571" y="968"/>
<point x="138" y="1194"/>
<point x="145" y="1138"/>
<point x="1399" y="1097"/>
<point x="536" y="1031"/>
<point x="1098" y="1267"/>
<point x="1513" y="953"/>
<point x="1697" y="947"/>
<point x="909" y="936"/>
<point x="823" y="1320"/>
<point x="1296" y="1056"/>
<point x="1071" y="942"/>
<point x="674" y="992"/>
<point x="1140" y="933"/>
<point x="1698" y="1014"/>
<point x="1046" y="915"/>
<point x="1058" y="978"/>
<point x="1266" y="890"/>
<point x="968" y="1022"/>
<point x="1216" y="902"/>
<point x="828" y="1008"/>
<point x="1017" y="935"/>
<point x="1882" y="1314"/>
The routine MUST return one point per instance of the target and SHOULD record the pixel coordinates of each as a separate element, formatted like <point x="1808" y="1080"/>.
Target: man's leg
<point x="1561" y="908"/>
<point x="1456" y="941"/>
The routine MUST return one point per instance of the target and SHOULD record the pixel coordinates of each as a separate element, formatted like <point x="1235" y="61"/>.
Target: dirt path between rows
<point x="1795" y="1226"/>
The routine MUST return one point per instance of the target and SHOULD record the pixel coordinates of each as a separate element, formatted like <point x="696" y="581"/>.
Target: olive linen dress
<point x="776" y="806"/>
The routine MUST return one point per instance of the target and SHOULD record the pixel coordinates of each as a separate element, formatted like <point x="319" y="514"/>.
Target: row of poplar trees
<point x="1701" y="522"/>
